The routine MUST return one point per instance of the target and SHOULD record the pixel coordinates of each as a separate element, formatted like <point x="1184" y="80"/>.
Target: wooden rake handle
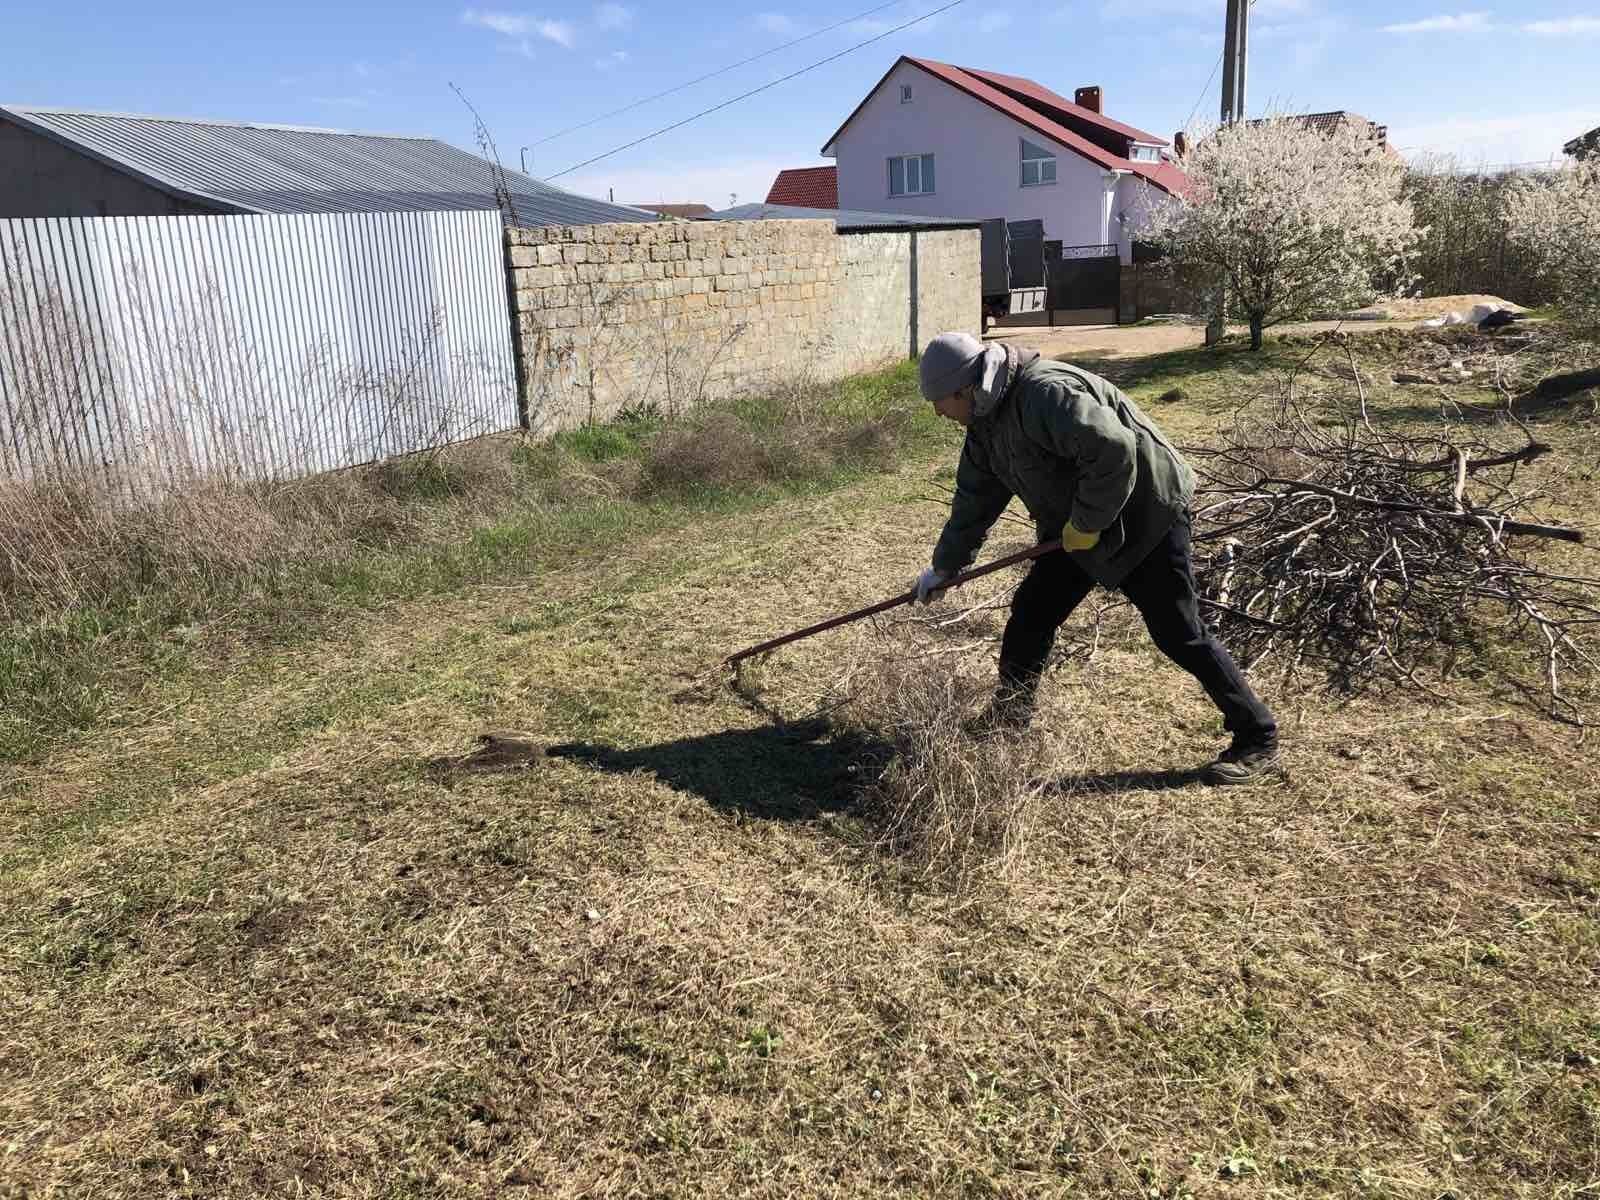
<point x="894" y="602"/>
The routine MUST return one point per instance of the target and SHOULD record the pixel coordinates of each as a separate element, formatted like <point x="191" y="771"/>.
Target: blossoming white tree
<point x="1555" y="218"/>
<point x="1290" y="220"/>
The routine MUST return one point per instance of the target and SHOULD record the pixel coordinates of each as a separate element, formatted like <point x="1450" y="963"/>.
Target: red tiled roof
<point x="806" y="187"/>
<point x="1163" y="175"/>
<point x="1043" y="95"/>
<point x="1327" y="122"/>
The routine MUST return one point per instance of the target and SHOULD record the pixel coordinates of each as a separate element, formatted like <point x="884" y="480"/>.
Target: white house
<point x="945" y="141"/>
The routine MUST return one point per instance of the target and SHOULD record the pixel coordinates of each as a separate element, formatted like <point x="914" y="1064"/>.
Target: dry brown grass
<point x="955" y="810"/>
<point x="79" y="541"/>
<point x="725" y="450"/>
<point x="251" y="946"/>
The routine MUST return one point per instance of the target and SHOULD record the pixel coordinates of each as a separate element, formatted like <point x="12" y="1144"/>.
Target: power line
<point x="1200" y="99"/>
<point x="1205" y="91"/>
<point x="706" y="112"/>
<point x="743" y="62"/>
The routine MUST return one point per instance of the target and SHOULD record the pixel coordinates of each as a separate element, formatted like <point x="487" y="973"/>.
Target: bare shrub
<point x="717" y="452"/>
<point x="873" y="443"/>
<point x="956" y="810"/>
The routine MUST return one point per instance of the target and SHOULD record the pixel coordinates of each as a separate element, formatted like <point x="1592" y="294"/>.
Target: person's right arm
<point x="979" y="500"/>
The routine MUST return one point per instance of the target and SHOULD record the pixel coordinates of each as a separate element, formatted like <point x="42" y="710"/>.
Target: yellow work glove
<point x="1075" y="539"/>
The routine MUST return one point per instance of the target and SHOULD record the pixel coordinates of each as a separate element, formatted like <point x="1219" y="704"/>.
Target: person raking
<point x="1095" y="471"/>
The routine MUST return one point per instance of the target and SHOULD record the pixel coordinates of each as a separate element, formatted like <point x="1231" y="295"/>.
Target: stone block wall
<point x="661" y="316"/>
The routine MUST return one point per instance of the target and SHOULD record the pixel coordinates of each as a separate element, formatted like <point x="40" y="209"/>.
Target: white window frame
<point x="905" y="93"/>
<point x="905" y="161"/>
<point x="1038" y="163"/>
<point x="1138" y="153"/>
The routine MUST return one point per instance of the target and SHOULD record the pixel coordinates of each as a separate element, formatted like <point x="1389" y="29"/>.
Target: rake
<point x="893" y="602"/>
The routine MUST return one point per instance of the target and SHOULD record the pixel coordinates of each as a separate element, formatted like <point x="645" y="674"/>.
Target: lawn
<point x="260" y="940"/>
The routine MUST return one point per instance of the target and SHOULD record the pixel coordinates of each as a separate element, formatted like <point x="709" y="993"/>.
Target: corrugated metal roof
<point x="294" y="169"/>
<point x="846" y="220"/>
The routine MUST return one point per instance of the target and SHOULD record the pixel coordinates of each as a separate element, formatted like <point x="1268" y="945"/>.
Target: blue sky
<point x="1501" y="84"/>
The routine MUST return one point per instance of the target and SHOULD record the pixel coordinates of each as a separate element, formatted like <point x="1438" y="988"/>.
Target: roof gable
<point x="1163" y="175"/>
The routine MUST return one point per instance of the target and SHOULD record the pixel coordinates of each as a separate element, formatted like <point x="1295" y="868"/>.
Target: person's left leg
<point x="1054" y="586"/>
<point x="1162" y="588"/>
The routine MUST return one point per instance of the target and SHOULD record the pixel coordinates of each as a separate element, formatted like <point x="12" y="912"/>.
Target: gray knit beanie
<point x="949" y="364"/>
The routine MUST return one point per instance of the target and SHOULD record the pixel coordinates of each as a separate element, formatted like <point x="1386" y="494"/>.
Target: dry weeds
<point x="955" y="810"/>
<point x="251" y="945"/>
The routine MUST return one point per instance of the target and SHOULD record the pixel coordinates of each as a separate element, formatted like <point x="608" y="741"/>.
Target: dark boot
<point x="1008" y="715"/>
<point x="1251" y="756"/>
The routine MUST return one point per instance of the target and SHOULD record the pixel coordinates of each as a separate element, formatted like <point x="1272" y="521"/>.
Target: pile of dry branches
<point x="1373" y="553"/>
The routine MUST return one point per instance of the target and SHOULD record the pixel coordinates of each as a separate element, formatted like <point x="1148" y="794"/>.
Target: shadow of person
<point x="1128" y="781"/>
<point x="791" y="772"/>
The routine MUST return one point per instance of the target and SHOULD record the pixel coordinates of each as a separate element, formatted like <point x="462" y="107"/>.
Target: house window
<point x="905" y="93"/>
<point x="911" y="175"/>
<point x="1145" y="153"/>
<point x="1038" y="165"/>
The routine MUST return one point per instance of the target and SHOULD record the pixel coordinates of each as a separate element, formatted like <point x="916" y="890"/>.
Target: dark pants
<point x="1162" y="589"/>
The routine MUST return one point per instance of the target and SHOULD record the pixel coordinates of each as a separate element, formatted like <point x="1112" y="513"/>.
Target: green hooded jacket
<point x="1073" y="447"/>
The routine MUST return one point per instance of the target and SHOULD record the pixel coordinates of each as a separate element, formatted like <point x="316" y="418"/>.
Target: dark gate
<point x="1025" y="253"/>
<point x="1082" y="277"/>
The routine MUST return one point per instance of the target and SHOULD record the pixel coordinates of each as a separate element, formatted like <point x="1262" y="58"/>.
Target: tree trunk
<point x="1257" y="321"/>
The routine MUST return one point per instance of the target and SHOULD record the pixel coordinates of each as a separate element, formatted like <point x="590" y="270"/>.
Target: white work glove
<point x="930" y="585"/>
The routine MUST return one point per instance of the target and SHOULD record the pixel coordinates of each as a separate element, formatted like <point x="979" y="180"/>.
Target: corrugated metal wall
<point x="148" y="348"/>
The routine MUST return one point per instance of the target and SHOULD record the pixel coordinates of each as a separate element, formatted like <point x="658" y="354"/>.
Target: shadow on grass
<point x="794" y="772"/>
<point x="1179" y="366"/>
<point x="1128" y="781"/>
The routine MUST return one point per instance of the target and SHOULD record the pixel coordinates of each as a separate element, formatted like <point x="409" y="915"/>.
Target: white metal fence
<point x="143" y="349"/>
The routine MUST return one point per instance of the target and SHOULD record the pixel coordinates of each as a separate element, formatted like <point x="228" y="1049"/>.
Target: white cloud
<point x="776" y="22"/>
<point x="1474" y="141"/>
<point x="611" y="61"/>
<point x="520" y="25"/>
<point x="1564" y="26"/>
<point x="613" y="16"/>
<point x="994" y="22"/>
<point x="510" y="24"/>
<point x="1469" y="22"/>
<point x="673" y="183"/>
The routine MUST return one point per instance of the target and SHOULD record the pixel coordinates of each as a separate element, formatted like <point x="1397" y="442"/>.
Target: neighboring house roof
<point x="1328" y="122"/>
<point x="237" y="167"/>
<point x="808" y="187"/>
<point x="1025" y="107"/>
<point x="845" y="220"/>
<point x="1584" y="145"/>
<point x="686" y="211"/>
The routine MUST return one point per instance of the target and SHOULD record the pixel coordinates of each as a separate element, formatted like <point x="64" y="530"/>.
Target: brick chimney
<point x="1180" y="144"/>
<point x="1088" y="97"/>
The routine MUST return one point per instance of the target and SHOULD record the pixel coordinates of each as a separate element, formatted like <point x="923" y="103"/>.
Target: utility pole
<point x="1235" y="53"/>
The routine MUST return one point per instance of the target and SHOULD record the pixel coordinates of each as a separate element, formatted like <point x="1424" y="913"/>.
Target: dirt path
<point x="1135" y="341"/>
